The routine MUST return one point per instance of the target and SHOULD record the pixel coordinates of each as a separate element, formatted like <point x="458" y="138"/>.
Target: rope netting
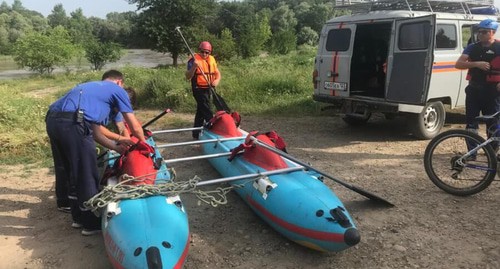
<point x="124" y="189"/>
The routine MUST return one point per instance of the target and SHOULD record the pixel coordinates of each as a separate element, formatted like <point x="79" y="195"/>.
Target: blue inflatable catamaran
<point x="287" y="194"/>
<point x="293" y="201"/>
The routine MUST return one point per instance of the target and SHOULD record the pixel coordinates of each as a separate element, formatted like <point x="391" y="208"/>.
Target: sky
<point x="96" y="8"/>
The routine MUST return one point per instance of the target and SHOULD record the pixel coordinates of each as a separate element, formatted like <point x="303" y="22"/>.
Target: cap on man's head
<point x="488" y="24"/>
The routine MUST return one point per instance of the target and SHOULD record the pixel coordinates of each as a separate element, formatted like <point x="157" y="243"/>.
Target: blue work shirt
<point x="97" y="100"/>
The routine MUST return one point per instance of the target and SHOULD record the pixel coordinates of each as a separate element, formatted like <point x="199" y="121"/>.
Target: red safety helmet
<point x="205" y="45"/>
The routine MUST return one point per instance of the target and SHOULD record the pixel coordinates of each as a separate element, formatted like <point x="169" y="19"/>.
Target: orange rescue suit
<point x="209" y="66"/>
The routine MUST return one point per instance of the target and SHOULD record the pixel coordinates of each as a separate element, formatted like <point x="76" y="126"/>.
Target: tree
<point x="99" y="54"/>
<point x="43" y="52"/>
<point x="18" y="25"/>
<point x="4" y="8"/>
<point x="4" y="41"/>
<point x="79" y="27"/>
<point x="283" y="42"/>
<point x="254" y="34"/>
<point x="161" y="17"/>
<point x="58" y="16"/>
<point x="307" y="36"/>
<point x="225" y="47"/>
<point x="39" y="23"/>
<point x="18" y="6"/>
<point x="316" y="16"/>
<point x="282" y="19"/>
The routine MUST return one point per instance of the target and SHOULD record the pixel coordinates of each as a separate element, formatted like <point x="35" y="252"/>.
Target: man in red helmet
<point x="203" y="72"/>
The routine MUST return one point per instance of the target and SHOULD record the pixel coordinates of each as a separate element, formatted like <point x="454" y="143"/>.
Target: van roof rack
<point x="468" y="7"/>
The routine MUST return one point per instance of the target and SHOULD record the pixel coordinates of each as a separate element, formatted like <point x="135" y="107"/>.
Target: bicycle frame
<point x="473" y="151"/>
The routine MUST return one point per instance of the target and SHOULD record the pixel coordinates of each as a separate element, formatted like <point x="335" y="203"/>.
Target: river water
<point x="134" y="57"/>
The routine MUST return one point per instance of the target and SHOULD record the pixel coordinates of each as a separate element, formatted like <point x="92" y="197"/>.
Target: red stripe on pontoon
<point x="182" y="259"/>
<point x="317" y="235"/>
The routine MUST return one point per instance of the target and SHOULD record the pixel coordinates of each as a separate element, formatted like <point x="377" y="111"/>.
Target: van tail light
<point x="315" y="76"/>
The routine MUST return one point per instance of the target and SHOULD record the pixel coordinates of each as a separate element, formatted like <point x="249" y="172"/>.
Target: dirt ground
<point x="426" y="229"/>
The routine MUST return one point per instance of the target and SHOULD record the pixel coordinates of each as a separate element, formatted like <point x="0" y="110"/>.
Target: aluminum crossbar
<point x="265" y="173"/>
<point x="197" y="142"/>
<point x="199" y="157"/>
<point x="177" y="130"/>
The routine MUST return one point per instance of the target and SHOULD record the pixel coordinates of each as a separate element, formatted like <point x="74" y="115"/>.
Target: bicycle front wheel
<point x="447" y="169"/>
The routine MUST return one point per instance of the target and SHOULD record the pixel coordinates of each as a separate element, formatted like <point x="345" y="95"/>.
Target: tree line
<point x="235" y="29"/>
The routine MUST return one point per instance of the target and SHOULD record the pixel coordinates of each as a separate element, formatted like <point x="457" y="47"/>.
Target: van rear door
<point x="410" y="66"/>
<point x="333" y="61"/>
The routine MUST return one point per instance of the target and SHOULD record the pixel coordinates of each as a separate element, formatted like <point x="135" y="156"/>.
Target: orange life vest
<point x="209" y="66"/>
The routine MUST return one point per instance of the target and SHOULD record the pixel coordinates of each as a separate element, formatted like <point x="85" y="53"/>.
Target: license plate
<point x="339" y="86"/>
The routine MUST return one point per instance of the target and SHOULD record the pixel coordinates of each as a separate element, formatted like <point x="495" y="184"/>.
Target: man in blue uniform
<point x="73" y="123"/>
<point x="483" y="92"/>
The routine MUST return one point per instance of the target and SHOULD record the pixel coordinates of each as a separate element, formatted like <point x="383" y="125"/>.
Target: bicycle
<point x="454" y="168"/>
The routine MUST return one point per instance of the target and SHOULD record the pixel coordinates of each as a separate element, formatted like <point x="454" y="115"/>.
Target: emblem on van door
<point x="339" y="86"/>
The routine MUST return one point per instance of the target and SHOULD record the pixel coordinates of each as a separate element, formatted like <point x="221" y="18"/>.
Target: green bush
<point x="283" y="42"/>
<point x="307" y="36"/>
<point x="99" y="54"/>
<point x="165" y="88"/>
<point x="43" y="52"/>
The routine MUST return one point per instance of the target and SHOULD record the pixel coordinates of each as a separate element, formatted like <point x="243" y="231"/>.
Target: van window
<point x="338" y="40"/>
<point x="446" y="36"/>
<point x="414" y="36"/>
<point x="467" y="36"/>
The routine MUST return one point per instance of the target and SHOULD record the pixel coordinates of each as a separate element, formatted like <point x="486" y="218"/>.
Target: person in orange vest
<point x="482" y="59"/>
<point x="203" y="72"/>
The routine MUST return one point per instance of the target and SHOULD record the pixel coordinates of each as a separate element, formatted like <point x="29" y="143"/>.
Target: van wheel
<point x="429" y="122"/>
<point x="356" y="119"/>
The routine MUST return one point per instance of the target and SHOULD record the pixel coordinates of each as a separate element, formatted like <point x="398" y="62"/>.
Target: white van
<point x="396" y="62"/>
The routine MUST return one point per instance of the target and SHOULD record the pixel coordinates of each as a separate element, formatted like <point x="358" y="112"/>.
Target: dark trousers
<point x="203" y="111"/>
<point x="75" y="162"/>
<point x="62" y="178"/>
<point x="484" y="99"/>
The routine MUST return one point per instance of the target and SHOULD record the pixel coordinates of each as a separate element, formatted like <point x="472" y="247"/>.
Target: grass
<point x="277" y="85"/>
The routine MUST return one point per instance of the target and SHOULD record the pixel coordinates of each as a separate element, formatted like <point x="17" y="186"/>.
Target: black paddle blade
<point x="220" y="103"/>
<point x="156" y="118"/>
<point x="371" y="196"/>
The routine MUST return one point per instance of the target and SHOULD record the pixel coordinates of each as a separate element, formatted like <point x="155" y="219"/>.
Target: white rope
<point x="125" y="190"/>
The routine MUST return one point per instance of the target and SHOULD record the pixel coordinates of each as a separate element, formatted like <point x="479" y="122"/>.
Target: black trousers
<point x="75" y="161"/>
<point x="203" y="111"/>
<point x="484" y="99"/>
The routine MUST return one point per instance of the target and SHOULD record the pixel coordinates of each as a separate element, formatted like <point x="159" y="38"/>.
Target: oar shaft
<point x="177" y="130"/>
<point x="198" y="142"/>
<point x="261" y="174"/>
<point x="200" y="157"/>
<point x="156" y="118"/>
